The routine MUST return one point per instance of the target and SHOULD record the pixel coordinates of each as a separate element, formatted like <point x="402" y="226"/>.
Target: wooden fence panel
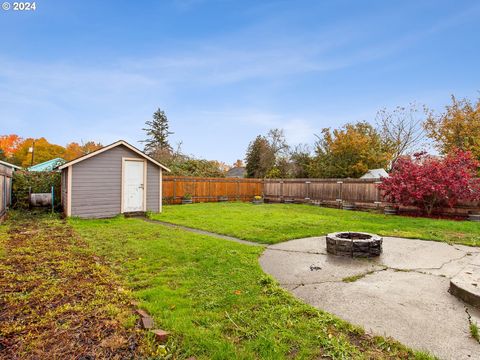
<point x="273" y="189"/>
<point x="210" y="189"/>
<point x="324" y="190"/>
<point x="359" y="192"/>
<point x="3" y="195"/>
<point x="5" y="189"/>
<point x="295" y="190"/>
<point x="330" y="190"/>
<point x="354" y="190"/>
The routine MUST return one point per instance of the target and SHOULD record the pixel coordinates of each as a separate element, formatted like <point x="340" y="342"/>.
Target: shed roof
<point x="238" y="171"/>
<point x="374" y="174"/>
<point x="111" y="146"/>
<point x="10" y="165"/>
<point x="49" y="165"/>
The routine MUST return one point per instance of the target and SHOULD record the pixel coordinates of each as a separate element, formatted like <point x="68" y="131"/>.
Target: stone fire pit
<point x="354" y="244"/>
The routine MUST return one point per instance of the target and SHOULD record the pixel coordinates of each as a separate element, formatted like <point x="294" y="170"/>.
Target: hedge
<point x="36" y="182"/>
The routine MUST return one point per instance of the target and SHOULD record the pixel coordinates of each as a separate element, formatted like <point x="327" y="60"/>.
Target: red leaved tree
<point x="432" y="183"/>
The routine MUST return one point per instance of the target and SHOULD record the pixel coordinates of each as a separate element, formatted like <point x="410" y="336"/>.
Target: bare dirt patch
<point x="57" y="299"/>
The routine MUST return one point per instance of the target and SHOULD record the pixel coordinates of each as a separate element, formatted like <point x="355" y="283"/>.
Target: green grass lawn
<point x="213" y="296"/>
<point x="273" y="223"/>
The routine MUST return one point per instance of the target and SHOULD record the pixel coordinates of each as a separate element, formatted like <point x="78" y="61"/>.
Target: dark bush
<point x="25" y="182"/>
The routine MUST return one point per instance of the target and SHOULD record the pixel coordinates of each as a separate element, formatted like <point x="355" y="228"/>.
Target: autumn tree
<point x="238" y="163"/>
<point x="431" y="183"/>
<point x="158" y="132"/>
<point x="456" y="128"/>
<point x="42" y="151"/>
<point x="191" y="166"/>
<point x="349" y="151"/>
<point x="401" y="129"/>
<point x="9" y="143"/>
<point x="186" y="165"/>
<point x="75" y="150"/>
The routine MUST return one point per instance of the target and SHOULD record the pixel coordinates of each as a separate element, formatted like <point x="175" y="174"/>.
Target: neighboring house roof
<point x="237" y="172"/>
<point x="49" y="165"/>
<point x="374" y="174"/>
<point x="9" y="165"/>
<point x="111" y="146"/>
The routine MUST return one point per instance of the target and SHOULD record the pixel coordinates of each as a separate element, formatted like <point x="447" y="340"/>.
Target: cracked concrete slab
<point x="409" y="301"/>
<point x="306" y="268"/>
<point x="314" y="245"/>
<point x="466" y="285"/>
<point x="409" y="254"/>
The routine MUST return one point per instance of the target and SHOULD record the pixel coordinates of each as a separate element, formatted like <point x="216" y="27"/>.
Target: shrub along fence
<point x="201" y="189"/>
<point x="26" y="182"/>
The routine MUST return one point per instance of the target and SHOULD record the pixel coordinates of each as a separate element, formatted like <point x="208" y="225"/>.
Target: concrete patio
<point x="402" y="294"/>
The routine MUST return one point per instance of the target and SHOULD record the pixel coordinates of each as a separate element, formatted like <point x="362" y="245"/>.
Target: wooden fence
<point x="210" y="189"/>
<point x="364" y="191"/>
<point x="5" y="189"/>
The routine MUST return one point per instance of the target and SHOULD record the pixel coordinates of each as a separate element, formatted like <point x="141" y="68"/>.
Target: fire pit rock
<point x="354" y="244"/>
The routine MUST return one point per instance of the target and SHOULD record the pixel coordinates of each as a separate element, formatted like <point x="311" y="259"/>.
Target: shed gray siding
<point x="153" y="187"/>
<point x="97" y="184"/>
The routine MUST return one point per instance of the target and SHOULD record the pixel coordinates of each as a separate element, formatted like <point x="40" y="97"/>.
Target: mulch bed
<point x="57" y="299"/>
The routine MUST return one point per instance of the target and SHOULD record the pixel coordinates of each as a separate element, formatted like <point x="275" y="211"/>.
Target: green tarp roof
<point x="49" y="165"/>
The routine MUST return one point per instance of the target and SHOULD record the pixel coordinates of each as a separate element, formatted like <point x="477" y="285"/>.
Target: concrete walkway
<point x="402" y="294"/>
<point x="203" y="232"/>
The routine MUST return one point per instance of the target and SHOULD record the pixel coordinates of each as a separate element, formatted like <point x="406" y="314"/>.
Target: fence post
<point x="4" y="193"/>
<point x="209" y="182"/>
<point x="237" y="190"/>
<point x="174" y="184"/>
<point x="307" y="184"/>
<point x="281" y="190"/>
<point x="53" y="199"/>
<point x="340" y="191"/>
<point x="11" y="192"/>
<point x="378" y="200"/>
<point x="194" y="190"/>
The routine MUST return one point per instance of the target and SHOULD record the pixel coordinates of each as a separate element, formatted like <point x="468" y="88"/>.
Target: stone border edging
<point x="147" y="323"/>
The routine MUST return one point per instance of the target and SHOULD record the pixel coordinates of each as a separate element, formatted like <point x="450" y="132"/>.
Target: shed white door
<point x="133" y="185"/>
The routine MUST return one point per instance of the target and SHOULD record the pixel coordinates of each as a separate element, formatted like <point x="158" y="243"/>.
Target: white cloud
<point x="297" y="129"/>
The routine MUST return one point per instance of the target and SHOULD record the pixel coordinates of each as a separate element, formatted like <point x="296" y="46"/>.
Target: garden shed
<point x="118" y="178"/>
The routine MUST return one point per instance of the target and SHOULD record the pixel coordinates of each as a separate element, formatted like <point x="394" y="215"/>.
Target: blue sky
<point x="225" y="71"/>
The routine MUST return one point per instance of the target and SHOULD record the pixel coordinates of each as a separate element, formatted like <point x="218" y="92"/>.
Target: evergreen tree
<point x="157" y="132"/>
<point x="260" y="158"/>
